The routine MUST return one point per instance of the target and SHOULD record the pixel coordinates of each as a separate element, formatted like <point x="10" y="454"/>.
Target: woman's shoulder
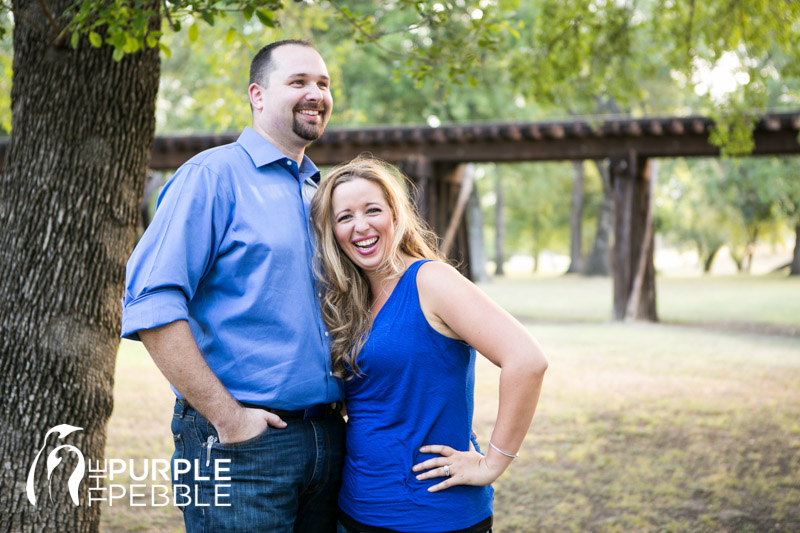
<point x="433" y="270"/>
<point x="437" y="277"/>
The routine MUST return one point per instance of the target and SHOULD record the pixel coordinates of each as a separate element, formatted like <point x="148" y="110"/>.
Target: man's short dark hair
<point x="262" y="64"/>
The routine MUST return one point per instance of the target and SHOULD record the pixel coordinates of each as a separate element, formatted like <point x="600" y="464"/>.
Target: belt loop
<point x="184" y="407"/>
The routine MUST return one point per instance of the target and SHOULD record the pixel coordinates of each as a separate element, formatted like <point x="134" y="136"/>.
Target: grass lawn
<point x="735" y="300"/>
<point x="640" y="427"/>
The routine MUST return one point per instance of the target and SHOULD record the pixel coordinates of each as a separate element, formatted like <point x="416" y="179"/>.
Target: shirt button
<point x="330" y="373"/>
<point x="289" y="163"/>
<point x="326" y="333"/>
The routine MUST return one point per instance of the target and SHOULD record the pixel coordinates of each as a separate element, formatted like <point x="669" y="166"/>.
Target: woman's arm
<point x="455" y="307"/>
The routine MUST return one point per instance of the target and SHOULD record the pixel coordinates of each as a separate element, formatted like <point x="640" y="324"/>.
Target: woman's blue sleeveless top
<point x="416" y="388"/>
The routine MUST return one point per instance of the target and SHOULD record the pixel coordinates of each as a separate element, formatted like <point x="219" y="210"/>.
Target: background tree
<point x="537" y="202"/>
<point x="787" y="192"/>
<point x="686" y="215"/>
<point x="743" y="188"/>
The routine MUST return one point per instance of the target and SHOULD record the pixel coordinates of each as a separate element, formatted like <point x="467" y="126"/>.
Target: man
<point x="220" y="291"/>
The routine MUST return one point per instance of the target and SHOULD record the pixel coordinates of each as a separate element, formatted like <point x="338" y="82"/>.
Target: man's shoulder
<point x="220" y="158"/>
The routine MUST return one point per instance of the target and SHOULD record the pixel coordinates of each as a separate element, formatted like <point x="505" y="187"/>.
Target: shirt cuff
<point x="153" y="310"/>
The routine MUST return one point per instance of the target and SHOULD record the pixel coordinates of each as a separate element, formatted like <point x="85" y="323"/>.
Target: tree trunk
<point x="598" y="263"/>
<point x="83" y="129"/>
<point x="709" y="260"/>
<point x="536" y="250"/>
<point x="477" y="248"/>
<point x="499" y="226"/>
<point x="738" y="261"/>
<point x="575" y="219"/>
<point x="794" y="270"/>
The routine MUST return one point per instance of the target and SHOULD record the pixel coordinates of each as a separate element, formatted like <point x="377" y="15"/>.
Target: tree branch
<point x="169" y="18"/>
<point x="374" y="40"/>
<point x="50" y="18"/>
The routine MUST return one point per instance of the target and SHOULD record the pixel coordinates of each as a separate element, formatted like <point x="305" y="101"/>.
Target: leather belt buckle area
<point x="316" y="411"/>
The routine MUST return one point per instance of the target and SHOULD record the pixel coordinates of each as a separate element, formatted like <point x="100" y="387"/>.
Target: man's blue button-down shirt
<point x="229" y="250"/>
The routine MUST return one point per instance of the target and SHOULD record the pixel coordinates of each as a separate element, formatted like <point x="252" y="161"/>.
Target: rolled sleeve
<point x="153" y="310"/>
<point x="176" y="251"/>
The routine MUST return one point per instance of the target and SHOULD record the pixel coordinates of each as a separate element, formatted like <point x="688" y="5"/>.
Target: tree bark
<point x="794" y="269"/>
<point x="499" y="226"/>
<point x="576" y="218"/>
<point x="598" y="263"/>
<point x="70" y="191"/>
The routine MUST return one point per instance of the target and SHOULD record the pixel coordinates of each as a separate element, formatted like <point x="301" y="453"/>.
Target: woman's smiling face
<point x="363" y="222"/>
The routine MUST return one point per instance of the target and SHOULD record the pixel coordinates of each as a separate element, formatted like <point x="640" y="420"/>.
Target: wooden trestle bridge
<point x="433" y="159"/>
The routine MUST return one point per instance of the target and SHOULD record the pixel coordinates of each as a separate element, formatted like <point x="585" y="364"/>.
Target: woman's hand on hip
<point x="457" y="468"/>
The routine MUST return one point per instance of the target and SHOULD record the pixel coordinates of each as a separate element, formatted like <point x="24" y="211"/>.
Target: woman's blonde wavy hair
<point x="345" y="291"/>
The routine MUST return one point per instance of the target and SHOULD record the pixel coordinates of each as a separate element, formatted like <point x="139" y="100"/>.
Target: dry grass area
<point x="139" y="430"/>
<point x="640" y="427"/>
<point x="657" y="428"/>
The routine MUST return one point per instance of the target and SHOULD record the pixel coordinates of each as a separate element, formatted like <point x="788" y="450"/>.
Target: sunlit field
<point x="688" y="425"/>
<point x="731" y="300"/>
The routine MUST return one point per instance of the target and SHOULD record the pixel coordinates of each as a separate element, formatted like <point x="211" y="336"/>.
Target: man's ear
<point x="256" y="93"/>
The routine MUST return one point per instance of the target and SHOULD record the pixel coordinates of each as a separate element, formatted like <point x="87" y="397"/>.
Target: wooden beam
<point x="466" y="176"/>
<point x="637" y="294"/>
<point x="630" y="179"/>
<point x="774" y="134"/>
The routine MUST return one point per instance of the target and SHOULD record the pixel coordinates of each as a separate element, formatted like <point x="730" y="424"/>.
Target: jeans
<point x="283" y="480"/>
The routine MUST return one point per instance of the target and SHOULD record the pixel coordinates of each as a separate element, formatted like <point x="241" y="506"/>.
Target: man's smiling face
<point x="297" y="100"/>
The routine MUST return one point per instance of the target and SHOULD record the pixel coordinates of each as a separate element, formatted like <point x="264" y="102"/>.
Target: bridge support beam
<point x="633" y="242"/>
<point x="438" y="186"/>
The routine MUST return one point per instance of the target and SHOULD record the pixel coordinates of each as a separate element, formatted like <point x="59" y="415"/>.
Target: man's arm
<point x="176" y="354"/>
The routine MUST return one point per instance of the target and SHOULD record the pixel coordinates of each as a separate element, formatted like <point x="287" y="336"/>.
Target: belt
<point x="321" y="410"/>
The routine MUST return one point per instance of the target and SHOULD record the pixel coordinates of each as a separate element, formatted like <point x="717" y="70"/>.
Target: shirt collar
<point x="263" y="152"/>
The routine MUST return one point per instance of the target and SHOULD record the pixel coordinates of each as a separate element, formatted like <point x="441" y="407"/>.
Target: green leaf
<point x="139" y="23"/>
<point x="164" y="48"/>
<point x="151" y="40"/>
<point x="118" y="54"/>
<point x="248" y="13"/>
<point x="118" y="39"/>
<point x="74" y="40"/>
<point x="95" y="39"/>
<point x="208" y="16"/>
<point x="266" y="17"/>
<point x="194" y="32"/>
<point x="230" y="35"/>
<point x="131" y="44"/>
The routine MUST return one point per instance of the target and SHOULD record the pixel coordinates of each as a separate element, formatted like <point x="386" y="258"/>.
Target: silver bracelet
<point x="498" y="450"/>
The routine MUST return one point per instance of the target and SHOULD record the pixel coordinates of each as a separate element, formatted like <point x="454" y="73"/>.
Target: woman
<point x="404" y="328"/>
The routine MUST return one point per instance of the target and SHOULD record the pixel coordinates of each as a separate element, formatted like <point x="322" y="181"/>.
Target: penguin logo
<point x="53" y="460"/>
